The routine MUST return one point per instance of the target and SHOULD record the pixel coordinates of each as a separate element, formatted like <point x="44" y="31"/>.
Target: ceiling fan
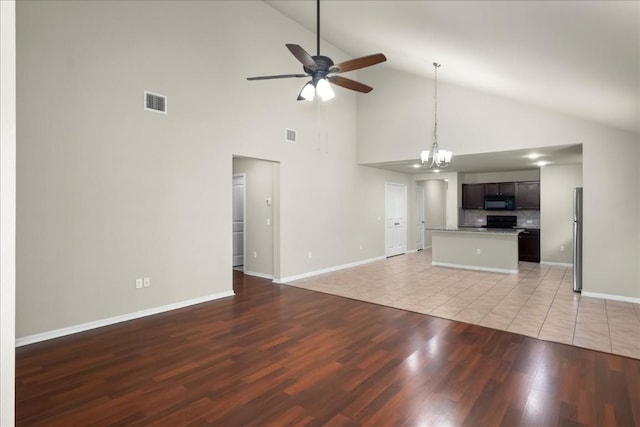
<point x="321" y="69"/>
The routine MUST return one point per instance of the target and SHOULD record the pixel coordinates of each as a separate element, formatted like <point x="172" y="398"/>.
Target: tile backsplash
<point x="478" y="217"/>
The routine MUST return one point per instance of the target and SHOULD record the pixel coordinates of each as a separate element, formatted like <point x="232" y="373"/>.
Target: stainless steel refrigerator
<point x="577" y="239"/>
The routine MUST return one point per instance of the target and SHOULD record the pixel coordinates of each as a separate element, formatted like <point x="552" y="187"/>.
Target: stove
<point x="501" y="221"/>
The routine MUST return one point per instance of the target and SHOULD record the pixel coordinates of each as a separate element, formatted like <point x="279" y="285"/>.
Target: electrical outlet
<point x="138" y="283"/>
<point x="147" y="282"/>
<point x="310" y="255"/>
<point x="478" y="251"/>
<point x="561" y="248"/>
<point x="268" y="221"/>
<point x="360" y="247"/>
<point x="255" y="254"/>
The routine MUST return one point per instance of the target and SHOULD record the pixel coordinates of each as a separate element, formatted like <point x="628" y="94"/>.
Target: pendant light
<point x="439" y="158"/>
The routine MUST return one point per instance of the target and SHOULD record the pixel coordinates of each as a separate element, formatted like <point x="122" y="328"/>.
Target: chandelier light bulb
<point x="424" y="156"/>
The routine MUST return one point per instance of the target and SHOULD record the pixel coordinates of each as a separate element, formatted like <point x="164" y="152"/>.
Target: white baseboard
<point x="327" y="270"/>
<point x="31" y="339"/>
<point x="261" y="275"/>
<point x="611" y="297"/>
<point x="473" y="267"/>
<point x="556" y="264"/>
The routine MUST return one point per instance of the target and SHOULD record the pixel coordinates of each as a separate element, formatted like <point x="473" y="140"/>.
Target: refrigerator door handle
<point x="577" y="239"/>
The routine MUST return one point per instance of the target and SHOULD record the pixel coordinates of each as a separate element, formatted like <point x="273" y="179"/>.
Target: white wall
<point x="556" y="211"/>
<point x="108" y="192"/>
<point x="473" y="122"/>
<point x="7" y="210"/>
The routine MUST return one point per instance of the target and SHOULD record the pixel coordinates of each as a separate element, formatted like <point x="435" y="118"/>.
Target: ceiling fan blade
<point x="350" y="84"/>
<point x="302" y="56"/>
<point x="279" y="76"/>
<point x="355" y="64"/>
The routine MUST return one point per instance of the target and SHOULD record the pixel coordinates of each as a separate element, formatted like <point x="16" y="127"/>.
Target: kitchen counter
<point x="486" y="249"/>
<point x="523" y="227"/>
<point x="467" y="229"/>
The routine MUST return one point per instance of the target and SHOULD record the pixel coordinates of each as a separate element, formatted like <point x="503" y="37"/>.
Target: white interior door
<point x="238" y="215"/>
<point x="395" y="219"/>
<point x="419" y="218"/>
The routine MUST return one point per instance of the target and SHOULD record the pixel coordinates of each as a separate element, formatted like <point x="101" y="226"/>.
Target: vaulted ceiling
<point x="576" y="57"/>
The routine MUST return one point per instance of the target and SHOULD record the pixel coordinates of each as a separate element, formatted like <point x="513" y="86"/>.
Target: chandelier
<point x="439" y="158"/>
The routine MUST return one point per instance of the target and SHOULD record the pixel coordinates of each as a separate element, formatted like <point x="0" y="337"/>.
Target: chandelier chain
<point x="435" y="157"/>
<point x="435" y="127"/>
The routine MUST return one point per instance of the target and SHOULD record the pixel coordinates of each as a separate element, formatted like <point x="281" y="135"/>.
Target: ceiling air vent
<point x="155" y="102"/>
<point x="290" y="135"/>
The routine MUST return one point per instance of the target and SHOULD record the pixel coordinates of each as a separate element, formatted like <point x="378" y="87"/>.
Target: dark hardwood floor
<point x="279" y="355"/>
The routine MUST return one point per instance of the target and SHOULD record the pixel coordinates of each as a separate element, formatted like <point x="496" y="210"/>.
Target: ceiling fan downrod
<point x="318" y="27"/>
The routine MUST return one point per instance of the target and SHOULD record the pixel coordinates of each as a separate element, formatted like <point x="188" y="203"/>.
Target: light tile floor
<point x="538" y="301"/>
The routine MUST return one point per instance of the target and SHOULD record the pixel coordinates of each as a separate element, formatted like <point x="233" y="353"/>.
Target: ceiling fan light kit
<point x="324" y="91"/>
<point x="439" y="158"/>
<point x="319" y="67"/>
<point x="308" y="92"/>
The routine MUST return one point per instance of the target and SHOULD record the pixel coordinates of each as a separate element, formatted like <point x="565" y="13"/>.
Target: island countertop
<point x="477" y="230"/>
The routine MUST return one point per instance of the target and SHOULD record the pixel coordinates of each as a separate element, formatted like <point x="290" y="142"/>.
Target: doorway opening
<point x="256" y="217"/>
<point x="238" y="220"/>
<point x="434" y="207"/>
<point x="419" y="224"/>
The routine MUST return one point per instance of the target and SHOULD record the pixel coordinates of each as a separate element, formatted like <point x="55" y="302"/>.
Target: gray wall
<point x="556" y="211"/>
<point x="474" y="122"/>
<point x="108" y="192"/>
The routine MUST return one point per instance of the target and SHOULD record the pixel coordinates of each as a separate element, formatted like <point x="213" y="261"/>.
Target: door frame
<point x="244" y="220"/>
<point x="386" y="242"/>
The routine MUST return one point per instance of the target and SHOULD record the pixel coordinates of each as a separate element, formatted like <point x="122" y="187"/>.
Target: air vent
<point x="155" y="102"/>
<point x="290" y="135"/>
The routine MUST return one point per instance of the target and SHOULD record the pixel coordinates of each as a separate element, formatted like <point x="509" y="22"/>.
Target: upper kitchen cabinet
<point x="500" y="189"/>
<point x="528" y="195"/>
<point x="473" y="196"/>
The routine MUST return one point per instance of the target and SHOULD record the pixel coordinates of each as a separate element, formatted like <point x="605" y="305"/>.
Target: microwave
<point x="499" y="203"/>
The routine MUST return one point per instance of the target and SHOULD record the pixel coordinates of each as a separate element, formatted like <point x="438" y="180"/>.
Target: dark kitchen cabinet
<point x="528" y="195"/>
<point x="500" y="188"/>
<point x="529" y="245"/>
<point x="472" y="196"/>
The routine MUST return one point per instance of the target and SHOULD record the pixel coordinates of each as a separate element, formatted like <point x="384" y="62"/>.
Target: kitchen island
<point x="483" y="249"/>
